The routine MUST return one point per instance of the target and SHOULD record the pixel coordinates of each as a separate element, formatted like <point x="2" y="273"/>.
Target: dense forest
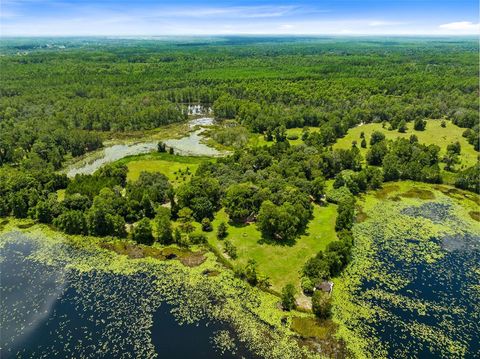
<point x="62" y="100"/>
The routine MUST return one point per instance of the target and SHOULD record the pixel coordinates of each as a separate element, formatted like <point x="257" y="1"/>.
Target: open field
<point x="281" y="263"/>
<point x="434" y="134"/>
<point x="172" y="166"/>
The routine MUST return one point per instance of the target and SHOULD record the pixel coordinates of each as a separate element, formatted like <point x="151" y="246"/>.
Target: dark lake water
<point x="51" y="312"/>
<point x="440" y="305"/>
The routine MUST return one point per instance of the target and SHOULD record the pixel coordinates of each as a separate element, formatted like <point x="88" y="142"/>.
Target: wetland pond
<point x="190" y="145"/>
<point x="413" y="290"/>
<point x="49" y="310"/>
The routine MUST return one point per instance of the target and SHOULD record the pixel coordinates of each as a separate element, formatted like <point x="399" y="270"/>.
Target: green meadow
<point x="178" y="169"/>
<point x="280" y="263"/>
<point x="434" y="134"/>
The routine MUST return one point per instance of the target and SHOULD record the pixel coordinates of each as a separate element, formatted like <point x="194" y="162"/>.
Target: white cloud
<point x="461" y="26"/>
<point x="385" y="23"/>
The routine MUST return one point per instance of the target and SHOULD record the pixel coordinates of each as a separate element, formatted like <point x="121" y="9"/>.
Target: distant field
<point x="281" y="264"/>
<point x="433" y="134"/>
<point x="169" y="165"/>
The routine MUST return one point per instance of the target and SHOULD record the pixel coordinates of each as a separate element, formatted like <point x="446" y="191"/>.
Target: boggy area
<point x="413" y="287"/>
<point x="83" y="297"/>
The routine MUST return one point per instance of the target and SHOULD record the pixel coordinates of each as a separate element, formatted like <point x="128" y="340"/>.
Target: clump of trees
<point x="469" y="179"/>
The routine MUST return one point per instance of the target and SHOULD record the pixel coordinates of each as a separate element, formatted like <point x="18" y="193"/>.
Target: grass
<point x="169" y="165"/>
<point x="281" y="263"/>
<point x="258" y="140"/>
<point x="434" y="134"/>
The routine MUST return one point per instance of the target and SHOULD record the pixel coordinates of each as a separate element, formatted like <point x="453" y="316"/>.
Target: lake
<point x="413" y="289"/>
<point x="51" y="311"/>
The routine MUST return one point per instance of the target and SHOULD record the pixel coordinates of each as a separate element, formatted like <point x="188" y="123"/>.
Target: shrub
<point x="307" y="285"/>
<point x="198" y="238"/>
<point x="206" y="225"/>
<point x="230" y="249"/>
<point x="288" y="297"/>
<point x="321" y="304"/>
<point x="222" y="231"/>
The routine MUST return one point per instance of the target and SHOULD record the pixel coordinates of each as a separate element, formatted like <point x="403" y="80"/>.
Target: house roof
<point x="325" y="286"/>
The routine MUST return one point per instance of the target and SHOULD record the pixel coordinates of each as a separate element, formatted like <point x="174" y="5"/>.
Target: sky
<point x="180" y="17"/>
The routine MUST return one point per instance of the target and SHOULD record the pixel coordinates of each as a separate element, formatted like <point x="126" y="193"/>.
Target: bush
<point x="198" y="238"/>
<point x="222" y="231"/>
<point x="321" y="304"/>
<point x="206" y="225"/>
<point x="376" y="137"/>
<point x="307" y="285"/>
<point x="402" y="126"/>
<point x="419" y="124"/>
<point x="230" y="249"/>
<point x="288" y="297"/>
<point x="71" y="222"/>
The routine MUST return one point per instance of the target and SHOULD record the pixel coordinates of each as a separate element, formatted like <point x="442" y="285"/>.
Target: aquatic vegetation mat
<point x="69" y="297"/>
<point x="413" y="289"/>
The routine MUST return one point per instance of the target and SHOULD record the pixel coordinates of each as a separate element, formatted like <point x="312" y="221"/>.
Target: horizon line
<point x="246" y="35"/>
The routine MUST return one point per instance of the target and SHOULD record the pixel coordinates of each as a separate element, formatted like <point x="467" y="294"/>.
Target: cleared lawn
<point x="258" y="140"/>
<point x="280" y="263"/>
<point x="169" y="165"/>
<point x="434" y="134"/>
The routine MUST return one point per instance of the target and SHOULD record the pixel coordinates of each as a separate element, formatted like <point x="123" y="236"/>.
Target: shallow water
<point x="189" y="145"/>
<point x="107" y="155"/>
<point x="53" y="312"/>
<point x="424" y="291"/>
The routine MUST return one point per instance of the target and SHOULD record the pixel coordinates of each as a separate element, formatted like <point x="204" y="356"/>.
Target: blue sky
<point x="178" y="17"/>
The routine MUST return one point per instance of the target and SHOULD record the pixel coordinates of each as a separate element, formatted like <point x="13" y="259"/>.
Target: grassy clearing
<point x="169" y="165"/>
<point x="280" y="263"/>
<point x="434" y="134"/>
<point x="257" y="140"/>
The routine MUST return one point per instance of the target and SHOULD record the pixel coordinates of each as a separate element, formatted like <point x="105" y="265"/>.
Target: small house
<point x="326" y="286"/>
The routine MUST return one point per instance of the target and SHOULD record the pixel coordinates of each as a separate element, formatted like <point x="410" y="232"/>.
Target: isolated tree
<point x="206" y="225"/>
<point x="230" y="249"/>
<point x="402" y="126"/>
<point x="222" y="231"/>
<point x="161" y="147"/>
<point x="376" y="137"/>
<point x="363" y="144"/>
<point x="419" y="124"/>
<point x="288" y="297"/>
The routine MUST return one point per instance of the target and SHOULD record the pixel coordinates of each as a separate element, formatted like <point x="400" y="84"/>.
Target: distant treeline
<point x="124" y="85"/>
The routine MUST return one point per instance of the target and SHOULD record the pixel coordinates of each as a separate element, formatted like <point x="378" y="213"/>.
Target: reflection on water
<point x="110" y="154"/>
<point x="189" y="145"/>
<point x="192" y="146"/>
<point x="425" y="291"/>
